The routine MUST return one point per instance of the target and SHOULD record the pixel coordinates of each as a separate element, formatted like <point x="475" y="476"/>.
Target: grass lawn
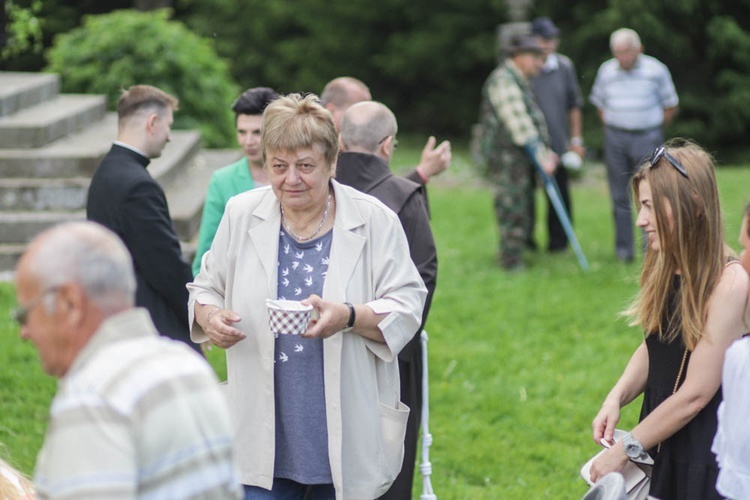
<point x="519" y="363"/>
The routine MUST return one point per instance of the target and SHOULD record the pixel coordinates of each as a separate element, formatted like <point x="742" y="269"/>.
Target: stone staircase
<point x="50" y="145"/>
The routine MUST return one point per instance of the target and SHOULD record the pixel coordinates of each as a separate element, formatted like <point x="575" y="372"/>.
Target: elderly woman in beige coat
<point x="318" y="413"/>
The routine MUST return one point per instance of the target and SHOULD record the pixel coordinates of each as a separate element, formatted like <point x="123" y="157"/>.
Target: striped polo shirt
<point x="137" y="416"/>
<point x="634" y="99"/>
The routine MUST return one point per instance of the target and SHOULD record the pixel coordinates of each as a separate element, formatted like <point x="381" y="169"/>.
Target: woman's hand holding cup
<point x="328" y="317"/>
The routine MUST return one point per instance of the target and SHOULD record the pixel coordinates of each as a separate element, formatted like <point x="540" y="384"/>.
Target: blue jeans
<point x="288" y="489"/>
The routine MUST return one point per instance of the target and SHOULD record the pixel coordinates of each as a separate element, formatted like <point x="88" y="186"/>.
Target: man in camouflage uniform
<point x="514" y="136"/>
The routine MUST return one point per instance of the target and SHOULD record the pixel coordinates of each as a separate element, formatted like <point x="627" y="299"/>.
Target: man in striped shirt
<point x="514" y="138"/>
<point x="636" y="99"/>
<point x="136" y="415"/>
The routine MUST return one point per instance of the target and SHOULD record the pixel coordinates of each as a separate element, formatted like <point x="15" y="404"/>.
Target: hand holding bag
<point x="637" y="475"/>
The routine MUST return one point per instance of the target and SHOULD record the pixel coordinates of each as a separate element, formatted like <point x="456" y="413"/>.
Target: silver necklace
<point x="315" y="233"/>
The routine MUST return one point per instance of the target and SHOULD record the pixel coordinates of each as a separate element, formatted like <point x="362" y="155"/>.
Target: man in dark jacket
<point x="125" y="198"/>
<point x="368" y="139"/>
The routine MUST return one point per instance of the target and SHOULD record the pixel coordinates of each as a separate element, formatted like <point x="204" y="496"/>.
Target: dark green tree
<point x="425" y="59"/>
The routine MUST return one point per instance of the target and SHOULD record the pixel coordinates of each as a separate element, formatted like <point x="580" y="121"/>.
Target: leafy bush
<point x="111" y="52"/>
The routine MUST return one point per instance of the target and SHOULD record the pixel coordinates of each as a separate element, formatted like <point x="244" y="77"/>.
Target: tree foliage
<point x="23" y="30"/>
<point x="704" y="43"/>
<point x="110" y="52"/>
<point x="424" y="59"/>
<point x="427" y="59"/>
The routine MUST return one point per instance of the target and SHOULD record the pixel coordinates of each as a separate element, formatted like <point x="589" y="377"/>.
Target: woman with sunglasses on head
<point x="691" y="306"/>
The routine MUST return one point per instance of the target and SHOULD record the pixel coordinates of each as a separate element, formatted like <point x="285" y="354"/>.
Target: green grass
<point x="519" y="363"/>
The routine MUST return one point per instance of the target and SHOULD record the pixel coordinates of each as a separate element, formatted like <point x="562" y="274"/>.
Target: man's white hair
<point x="626" y="37"/>
<point x="89" y="255"/>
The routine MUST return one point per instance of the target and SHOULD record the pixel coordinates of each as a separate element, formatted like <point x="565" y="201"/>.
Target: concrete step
<point x="75" y="155"/>
<point x="11" y="252"/>
<point x="185" y="198"/>
<point x="24" y="90"/>
<point x="41" y="124"/>
<point x="187" y="194"/>
<point x="178" y="153"/>
<point x="58" y="194"/>
<point x="20" y="227"/>
<point x="9" y="255"/>
<point x="78" y="155"/>
<point x="43" y="194"/>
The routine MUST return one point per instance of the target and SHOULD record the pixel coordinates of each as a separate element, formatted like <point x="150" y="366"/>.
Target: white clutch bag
<point x="637" y="475"/>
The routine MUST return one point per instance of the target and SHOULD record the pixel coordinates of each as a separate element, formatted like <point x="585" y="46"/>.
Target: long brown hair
<point x="693" y="246"/>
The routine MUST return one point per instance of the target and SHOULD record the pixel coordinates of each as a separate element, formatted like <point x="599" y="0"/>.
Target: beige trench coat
<point x="370" y="265"/>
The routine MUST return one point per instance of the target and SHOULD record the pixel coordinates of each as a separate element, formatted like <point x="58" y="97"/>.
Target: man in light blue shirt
<point x="636" y="99"/>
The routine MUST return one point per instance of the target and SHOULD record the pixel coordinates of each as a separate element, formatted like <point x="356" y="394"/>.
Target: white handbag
<point x="637" y="474"/>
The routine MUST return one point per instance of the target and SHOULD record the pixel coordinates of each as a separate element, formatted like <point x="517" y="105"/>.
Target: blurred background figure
<point x="745" y="239"/>
<point x="244" y="174"/>
<point x="559" y="97"/>
<point x="635" y="98"/>
<point x="514" y="139"/>
<point x="732" y="442"/>
<point x="340" y="93"/>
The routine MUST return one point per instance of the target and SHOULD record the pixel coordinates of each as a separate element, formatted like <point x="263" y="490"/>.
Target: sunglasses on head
<point x="660" y="153"/>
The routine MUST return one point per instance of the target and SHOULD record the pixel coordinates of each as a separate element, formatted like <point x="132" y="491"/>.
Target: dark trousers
<point x="624" y="152"/>
<point x="558" y="240"/>
<point x="411" y="395"/>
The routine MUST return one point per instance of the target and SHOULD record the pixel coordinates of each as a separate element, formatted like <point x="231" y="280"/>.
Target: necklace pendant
<point x="296" y="236"/>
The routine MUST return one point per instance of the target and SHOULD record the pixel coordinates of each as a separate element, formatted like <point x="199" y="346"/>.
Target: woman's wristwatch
<point x="633" y="448"/>
<point x="352" y="317"/>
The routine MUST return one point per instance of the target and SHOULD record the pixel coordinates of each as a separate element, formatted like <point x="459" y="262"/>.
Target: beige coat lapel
<point x="265" y="238"/>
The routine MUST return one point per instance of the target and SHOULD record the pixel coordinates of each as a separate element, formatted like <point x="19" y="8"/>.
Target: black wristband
<point x="352" y="315"/>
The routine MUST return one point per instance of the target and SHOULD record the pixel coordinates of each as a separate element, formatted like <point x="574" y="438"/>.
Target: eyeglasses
<point x="21" y="313"/>
<point x="395" y="140"/>
<point x="660" y="153"/>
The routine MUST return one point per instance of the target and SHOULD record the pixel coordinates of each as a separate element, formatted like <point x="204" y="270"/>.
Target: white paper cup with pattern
<point x="288" y="317"/>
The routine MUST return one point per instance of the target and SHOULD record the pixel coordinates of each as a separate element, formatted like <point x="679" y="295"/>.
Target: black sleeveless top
<point x="685" y="467"/>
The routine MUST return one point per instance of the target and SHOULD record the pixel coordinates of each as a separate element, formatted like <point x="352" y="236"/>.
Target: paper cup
<point x="288" y="317"/>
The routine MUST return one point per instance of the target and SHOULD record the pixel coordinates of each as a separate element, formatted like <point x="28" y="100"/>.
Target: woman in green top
<point x="243" y="175"/>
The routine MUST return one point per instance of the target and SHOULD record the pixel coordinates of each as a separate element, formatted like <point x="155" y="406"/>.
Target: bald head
<point x="340" y="93"/>
<point x="87" y="254"/>
<point x="366" y="127"/>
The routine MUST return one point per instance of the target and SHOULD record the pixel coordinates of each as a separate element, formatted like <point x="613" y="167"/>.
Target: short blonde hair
<point x="294" y="122"/>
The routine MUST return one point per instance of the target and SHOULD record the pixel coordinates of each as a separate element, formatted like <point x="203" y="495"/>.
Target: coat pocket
<point x="393" y="426"/>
